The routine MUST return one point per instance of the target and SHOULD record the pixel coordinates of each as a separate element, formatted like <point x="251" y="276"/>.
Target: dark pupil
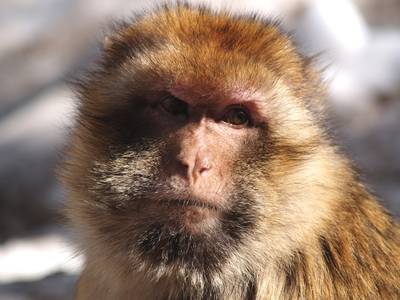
<point x="175" y="106"/>
<point x="237" y="116"/>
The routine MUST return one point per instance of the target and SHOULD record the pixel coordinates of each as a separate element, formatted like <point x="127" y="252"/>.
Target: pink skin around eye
<point x="249" y="106"/>
<point x="220" y="103"/>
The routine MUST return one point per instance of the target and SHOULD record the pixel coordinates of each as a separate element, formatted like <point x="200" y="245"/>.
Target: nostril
<point x="193" y="166"/>
<point x="202" y="165"/>
<point x="203" y="169"/>
<point x="184" y="165"/>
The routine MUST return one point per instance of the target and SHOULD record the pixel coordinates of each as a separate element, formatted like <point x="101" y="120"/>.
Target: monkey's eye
<point x="174" y="106"/>
<point x="237" y="116"/>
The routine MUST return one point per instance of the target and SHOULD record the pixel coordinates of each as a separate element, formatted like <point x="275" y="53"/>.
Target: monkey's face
<point x="183" y="144"/>
<point x="176" y="174"/>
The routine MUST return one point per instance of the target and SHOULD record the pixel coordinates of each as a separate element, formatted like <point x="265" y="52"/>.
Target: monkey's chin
<point x="192" y="217"/>
<point x="181" y="233"/>
<point x="197" y="220"/>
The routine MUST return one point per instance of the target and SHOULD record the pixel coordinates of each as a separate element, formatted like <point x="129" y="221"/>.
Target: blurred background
<point x="43" y="42"/>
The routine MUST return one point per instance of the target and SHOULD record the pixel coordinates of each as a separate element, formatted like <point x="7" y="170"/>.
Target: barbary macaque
<point x="200" y="168"/>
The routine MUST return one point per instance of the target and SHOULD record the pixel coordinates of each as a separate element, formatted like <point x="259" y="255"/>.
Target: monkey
<point x="201" y="167"/>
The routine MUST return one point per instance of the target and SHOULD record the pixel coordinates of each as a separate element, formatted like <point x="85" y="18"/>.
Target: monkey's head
<point x="193" y="145"/>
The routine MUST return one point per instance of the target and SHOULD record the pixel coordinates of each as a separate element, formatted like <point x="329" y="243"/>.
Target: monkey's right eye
<point x="174" y="106"/>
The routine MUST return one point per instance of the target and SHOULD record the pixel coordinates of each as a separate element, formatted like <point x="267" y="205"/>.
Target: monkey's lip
<point x="191" y="203"/>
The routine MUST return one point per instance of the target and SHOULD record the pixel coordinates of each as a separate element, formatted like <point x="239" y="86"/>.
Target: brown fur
<point x="313" y="231"/>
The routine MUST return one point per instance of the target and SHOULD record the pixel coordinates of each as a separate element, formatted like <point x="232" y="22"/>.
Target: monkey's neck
<point x="100" y="284"/>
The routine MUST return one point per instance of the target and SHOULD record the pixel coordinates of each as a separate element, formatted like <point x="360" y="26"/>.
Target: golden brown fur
<point x="317" y="234"/>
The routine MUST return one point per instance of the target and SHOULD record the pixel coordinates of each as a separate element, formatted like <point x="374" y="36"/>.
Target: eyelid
<point x="238" y="105"/>
<point x="177" y="101"/>
<point x="244" y="108"/>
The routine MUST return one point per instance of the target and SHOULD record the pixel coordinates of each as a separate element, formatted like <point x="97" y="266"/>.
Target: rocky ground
<point x="44" y="42"/>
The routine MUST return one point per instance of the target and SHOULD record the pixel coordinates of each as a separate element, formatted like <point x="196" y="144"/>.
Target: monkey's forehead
<point x="192" y="45"/>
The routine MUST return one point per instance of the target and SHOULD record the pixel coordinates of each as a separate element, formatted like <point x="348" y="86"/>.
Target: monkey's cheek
<point x="200" y="220"/>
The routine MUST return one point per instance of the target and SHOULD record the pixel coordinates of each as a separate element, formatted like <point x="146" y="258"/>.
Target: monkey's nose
<point x="201" y="165"/>
<point x="197" y="166"/>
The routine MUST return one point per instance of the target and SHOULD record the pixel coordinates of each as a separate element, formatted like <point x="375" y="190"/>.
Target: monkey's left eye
<point x="174" y="106"/>
<point x="237" y="116"/>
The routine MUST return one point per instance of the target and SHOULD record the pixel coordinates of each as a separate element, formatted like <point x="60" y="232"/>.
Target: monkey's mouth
<point x="196" y="216"/>
<point x="191" y="203"/>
